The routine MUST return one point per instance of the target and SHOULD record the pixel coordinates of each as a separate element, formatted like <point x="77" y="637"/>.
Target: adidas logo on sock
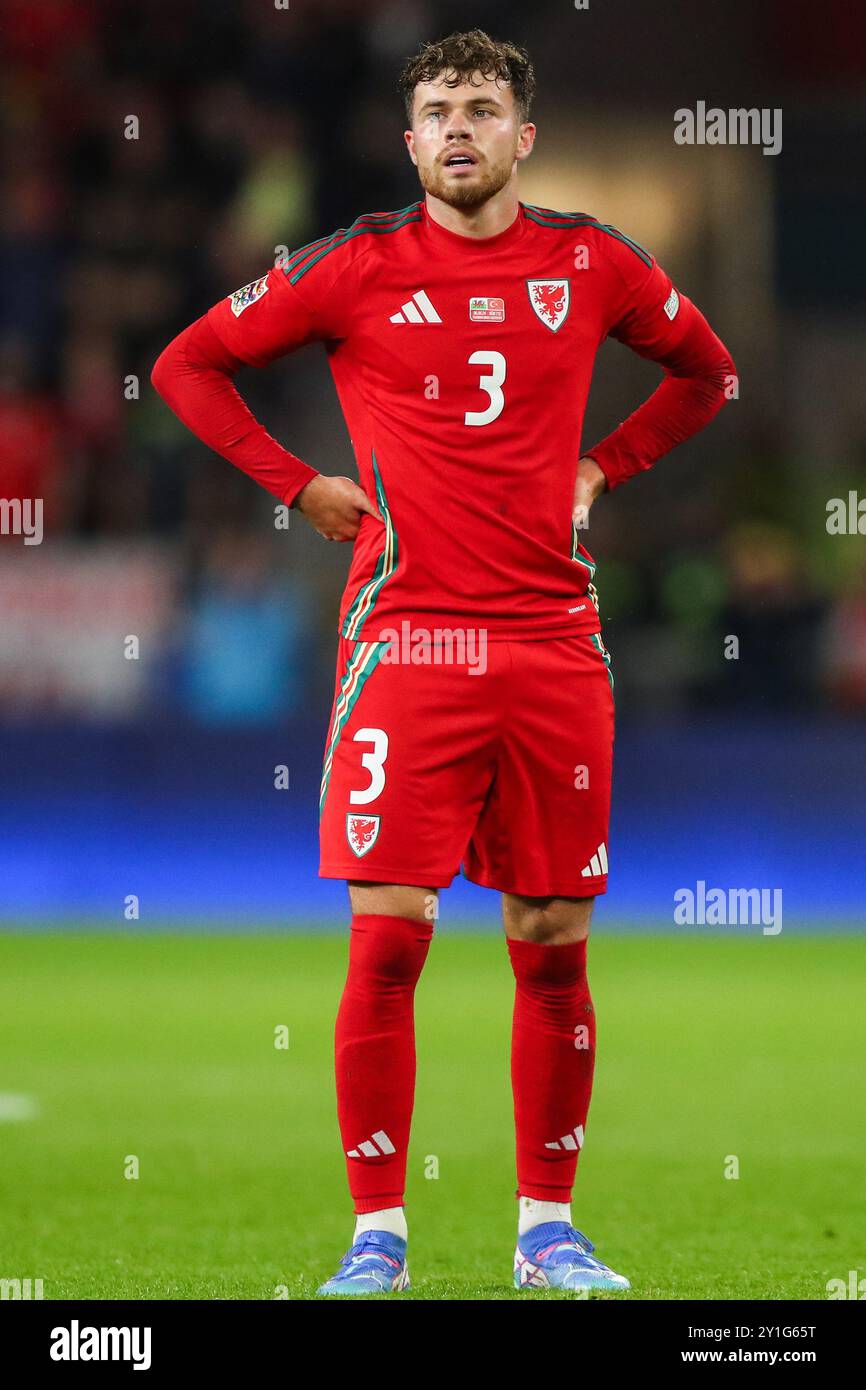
<point x="373" y="1148"/>
<point x="418" y="309"/>
<point x="574" y="1140"/>
<point x="597" y="864"/>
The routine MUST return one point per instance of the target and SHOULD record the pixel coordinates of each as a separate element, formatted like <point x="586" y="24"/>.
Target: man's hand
<point x="335" y="506"/>
<point x="589" y="483"/>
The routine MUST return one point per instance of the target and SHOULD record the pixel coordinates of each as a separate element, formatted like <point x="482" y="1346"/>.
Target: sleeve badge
<point x="243" y="298"/>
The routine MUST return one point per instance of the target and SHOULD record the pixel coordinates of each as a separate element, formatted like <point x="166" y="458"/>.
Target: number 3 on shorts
<point x="374" y="762"/>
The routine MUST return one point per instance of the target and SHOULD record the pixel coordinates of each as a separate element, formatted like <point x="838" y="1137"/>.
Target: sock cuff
<point x="386" y="1201"/>
<point x="535" y="960"/>
<point x="547" y="1192"/>
<point x="381" y="924"/>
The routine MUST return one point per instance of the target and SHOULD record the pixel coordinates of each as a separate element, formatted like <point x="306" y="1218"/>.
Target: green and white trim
<point x="588" y="565"/>
<point x="365" y="600"/>
<point x="361" y="665"/>
<point x="565" y="221"/>
<point x="369" y="224"/>
<point x="592" y="594"/>
<point x="595" y="639"/>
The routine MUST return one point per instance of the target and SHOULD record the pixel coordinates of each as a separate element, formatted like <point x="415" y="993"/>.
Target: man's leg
<point x="390" y="799"/>
<point x="391" y="929"/>
<point x="553" y="1048"/>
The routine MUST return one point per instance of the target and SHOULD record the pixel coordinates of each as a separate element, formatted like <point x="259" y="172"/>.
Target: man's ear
<point x="526" y="140"/>
<point x="410" y="145"/>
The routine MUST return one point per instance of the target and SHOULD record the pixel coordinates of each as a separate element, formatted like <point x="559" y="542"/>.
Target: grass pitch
<point x="162" y="1047"/>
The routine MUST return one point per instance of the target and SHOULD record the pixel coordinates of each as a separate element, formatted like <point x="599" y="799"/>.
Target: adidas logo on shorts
<point x="597" y="864"/>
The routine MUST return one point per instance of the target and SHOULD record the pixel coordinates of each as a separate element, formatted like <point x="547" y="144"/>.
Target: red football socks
<point x="552" y="1061"/>
<point x="375" y="1055"/>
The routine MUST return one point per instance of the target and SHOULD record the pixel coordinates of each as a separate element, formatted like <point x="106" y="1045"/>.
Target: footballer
<point x="461" y="332"/>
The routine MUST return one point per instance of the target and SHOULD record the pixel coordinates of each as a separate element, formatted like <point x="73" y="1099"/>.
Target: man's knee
<point x="394" y="900"/>
<point x="549" y="921"/>
<point x="387" y="948"/>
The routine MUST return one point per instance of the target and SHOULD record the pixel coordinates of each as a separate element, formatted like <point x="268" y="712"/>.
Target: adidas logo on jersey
<point x="418" y="309"/>
<point x="376" y="1147"/>
<point x="574" y="1140"/>
<point x="597" y="864"/>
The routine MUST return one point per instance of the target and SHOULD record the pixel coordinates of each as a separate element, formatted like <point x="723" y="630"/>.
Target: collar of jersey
<point x="469" y="243"/>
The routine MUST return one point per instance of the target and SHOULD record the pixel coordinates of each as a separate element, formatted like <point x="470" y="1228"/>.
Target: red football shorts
<point x="495" y="757"/>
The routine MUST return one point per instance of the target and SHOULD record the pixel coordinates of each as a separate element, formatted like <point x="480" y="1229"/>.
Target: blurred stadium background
<point x="261" y="127"/>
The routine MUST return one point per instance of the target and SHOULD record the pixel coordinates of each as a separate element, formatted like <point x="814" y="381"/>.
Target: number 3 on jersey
<point x="492" y="384"/>
<point x="374" y="762"/>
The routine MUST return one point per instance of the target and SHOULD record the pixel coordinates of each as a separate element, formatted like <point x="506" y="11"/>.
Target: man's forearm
<point x="698" y="372"/>
<point x="194" y="377"/>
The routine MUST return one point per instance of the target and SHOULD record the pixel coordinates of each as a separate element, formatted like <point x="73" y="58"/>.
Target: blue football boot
<point x="376" y="1263"/>
<point x="556" y="1256"/>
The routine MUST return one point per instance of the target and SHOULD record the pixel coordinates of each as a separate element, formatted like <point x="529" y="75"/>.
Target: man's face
<point x="466" y="140"/>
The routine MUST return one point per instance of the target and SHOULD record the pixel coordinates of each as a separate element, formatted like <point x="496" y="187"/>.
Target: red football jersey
<point x="463" y="368"/>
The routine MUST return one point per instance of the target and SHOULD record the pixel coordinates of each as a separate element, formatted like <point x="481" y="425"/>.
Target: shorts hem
<point x="383" y="873"/>
<point x="528" y="632"/>
<point x="547" y="888"/>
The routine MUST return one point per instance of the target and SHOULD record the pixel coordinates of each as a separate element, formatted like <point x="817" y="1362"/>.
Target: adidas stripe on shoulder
<point x="369" y="224"/>
<point x="562" y="221"/>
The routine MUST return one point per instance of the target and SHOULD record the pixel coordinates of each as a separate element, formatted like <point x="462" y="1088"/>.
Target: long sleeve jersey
<point x="463" y="367"/>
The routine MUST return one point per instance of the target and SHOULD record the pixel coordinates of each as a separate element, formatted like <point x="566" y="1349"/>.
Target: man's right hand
<point x="335" y="507"/>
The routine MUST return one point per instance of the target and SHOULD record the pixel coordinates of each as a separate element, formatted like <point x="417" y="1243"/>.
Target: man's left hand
<point x="589" y="483"/>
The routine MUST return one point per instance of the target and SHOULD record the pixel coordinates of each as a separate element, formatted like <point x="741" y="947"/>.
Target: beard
<point x="466" y="193"/>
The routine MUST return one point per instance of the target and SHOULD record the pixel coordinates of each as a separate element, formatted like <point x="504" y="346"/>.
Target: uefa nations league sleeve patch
<point x="242" y="299"/>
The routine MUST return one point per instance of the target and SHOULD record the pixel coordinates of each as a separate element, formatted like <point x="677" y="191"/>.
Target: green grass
<point x="162" y="1047"/>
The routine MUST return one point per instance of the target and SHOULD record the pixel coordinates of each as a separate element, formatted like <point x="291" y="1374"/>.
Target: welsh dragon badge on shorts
<point x="362" y="832"/>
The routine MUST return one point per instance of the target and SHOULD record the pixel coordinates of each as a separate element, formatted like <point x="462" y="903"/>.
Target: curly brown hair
<point x="463" y="55"/>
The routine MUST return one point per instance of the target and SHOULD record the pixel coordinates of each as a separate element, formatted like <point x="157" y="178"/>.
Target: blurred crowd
<point x="153" y="158"/>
